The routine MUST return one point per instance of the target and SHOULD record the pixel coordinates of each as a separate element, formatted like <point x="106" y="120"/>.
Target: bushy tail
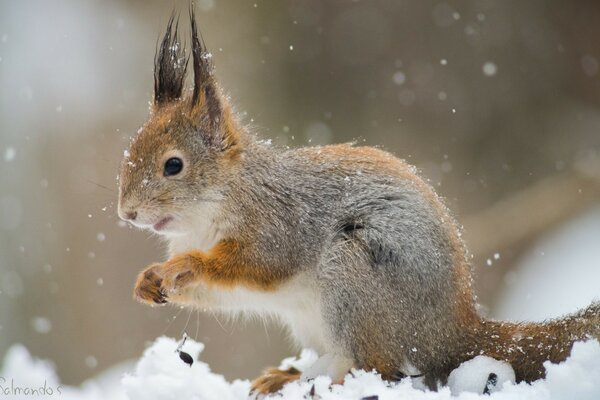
<point x="527" y="345"/>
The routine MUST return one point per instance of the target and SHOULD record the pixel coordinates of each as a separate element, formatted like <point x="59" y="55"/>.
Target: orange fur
<point x="224" y="265"/>
<point x="273" y="379"/>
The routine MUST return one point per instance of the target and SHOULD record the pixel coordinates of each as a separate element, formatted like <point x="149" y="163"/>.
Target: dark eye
<point x="173" y="166"/>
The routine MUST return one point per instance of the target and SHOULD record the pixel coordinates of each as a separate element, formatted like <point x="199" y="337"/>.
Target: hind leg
<point x="274" y="379"/>
<point x="381" y="316"/>
<point x="358" y="312"/>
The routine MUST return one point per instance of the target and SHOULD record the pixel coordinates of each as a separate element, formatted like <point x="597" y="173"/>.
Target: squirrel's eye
<point x="173" y="166"/>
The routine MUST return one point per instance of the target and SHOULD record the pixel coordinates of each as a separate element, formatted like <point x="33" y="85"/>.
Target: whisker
<point x="172" y="320"/>
<point x="264" y="324"/>
<point x="197" y="324"/>
<point x="187" y="322"/>
<point x="218" y="322"/>
<point x="198" y="199"/>
<point x="101" y="186"/>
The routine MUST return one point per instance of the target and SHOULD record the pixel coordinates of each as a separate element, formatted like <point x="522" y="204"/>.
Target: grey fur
<point x="386" y="279"/>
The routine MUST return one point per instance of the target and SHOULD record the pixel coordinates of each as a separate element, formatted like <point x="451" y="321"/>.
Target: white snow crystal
<point x="590" y="65"/>
<point x="399" y="77"/>
<point x="306" y="359"/>
<point x="9" y="154"/>
<point x="91" y="361"/>
<point x="41" y="324"/>
<point x="489" y="69"/>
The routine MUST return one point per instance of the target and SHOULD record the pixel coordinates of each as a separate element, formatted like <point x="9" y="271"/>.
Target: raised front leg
<point x="227" y="265"/>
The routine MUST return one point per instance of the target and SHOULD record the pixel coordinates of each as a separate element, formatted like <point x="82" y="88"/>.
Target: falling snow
<point x="41" y="325"/>
<point x="489" y="69"/>
<point x="399" y="77"/>
<point x="9" y="154"/>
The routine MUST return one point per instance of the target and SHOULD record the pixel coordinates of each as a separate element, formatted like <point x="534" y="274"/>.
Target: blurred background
<point x="497" y="103"/>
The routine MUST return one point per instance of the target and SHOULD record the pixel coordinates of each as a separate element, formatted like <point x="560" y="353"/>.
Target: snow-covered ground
<point x="161" y="374"/>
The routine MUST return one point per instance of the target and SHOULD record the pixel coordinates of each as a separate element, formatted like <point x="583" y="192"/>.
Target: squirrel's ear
<point x="170" y="65"/>
<point x="205" y="95"/>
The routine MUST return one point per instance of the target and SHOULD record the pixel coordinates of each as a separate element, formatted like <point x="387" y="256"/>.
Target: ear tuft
<point x="205" y="91"/>
<point x="170" y="65"/>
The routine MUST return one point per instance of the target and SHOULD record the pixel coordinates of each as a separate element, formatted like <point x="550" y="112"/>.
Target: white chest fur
<point x="296" y="304"/>
<point x="202" y="232"/>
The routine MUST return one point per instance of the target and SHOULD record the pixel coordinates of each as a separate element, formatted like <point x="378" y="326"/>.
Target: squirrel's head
<point x="178" y="162"/>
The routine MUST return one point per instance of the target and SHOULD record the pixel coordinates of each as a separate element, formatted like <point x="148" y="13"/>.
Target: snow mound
<point x="482" y="374"/>
<point x="162" y="374"/>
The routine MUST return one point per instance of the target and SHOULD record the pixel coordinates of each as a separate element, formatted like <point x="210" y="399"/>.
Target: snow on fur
<point x="161" y="374"/>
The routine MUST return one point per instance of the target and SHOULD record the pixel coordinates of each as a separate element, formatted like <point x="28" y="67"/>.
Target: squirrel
<point x="347" y="245"/>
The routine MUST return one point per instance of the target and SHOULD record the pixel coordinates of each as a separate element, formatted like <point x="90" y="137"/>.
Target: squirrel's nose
<point x="129" y="215"/>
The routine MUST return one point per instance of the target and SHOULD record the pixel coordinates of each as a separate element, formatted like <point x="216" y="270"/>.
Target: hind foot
<point x="272" y="380"/>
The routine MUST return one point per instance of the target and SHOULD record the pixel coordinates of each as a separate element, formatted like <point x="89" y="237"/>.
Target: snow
<point x="489" y="68"/>
<point x="10" y="154"/>
<point x="91" y="361"/>
<point x="590" y="65"/>
<point x="399" y="77"/>
<point x="41" y="325"/>
<point x="161" y="374"/>
<point x="479" y="374"/>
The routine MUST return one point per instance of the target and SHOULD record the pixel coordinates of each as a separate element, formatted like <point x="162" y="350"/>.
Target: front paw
<point x="165" y="282"/>
<point x="180" y="272"/>
<point x="148" y="286"/>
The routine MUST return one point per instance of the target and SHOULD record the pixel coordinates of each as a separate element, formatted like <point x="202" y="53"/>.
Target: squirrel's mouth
<point x="160" y="225"/>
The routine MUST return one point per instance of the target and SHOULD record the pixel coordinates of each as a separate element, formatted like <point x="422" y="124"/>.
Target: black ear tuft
<point x="170" y="64"/>
<point x="203" y="83"/>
